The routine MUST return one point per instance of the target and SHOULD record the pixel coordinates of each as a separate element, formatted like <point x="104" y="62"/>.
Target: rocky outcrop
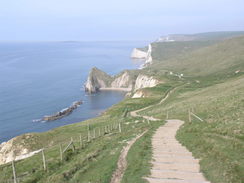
<point x="62" y="113"/>
<point x="124" y="80"/>
<point x="138" y="94"/>
<point x="138" y="54"/>
<point x="143" y="81"/>
<point x="149" y="56"/>
<point x="15" y="149"/>
<point x="97" y="79"/>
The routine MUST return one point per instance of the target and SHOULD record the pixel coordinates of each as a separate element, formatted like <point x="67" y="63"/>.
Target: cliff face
<point x="143" y="81"/>
<point x="138" y="94"/>
<point x="149" y="56"/>
<point x="15" y="149"/>
<point x="146" y="55"/>
<point x="138" y="54"/>
<point x="97" y="79"/>
<point x="126" y="80"/>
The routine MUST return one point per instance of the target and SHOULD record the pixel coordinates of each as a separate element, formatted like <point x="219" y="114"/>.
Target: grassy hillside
<point x="223" y="57"/>
<point x="207" y="36"/>
<point x="163" y="51"/>
<point x="219" y="140"/>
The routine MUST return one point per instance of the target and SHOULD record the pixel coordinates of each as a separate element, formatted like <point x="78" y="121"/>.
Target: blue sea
<point x="42" y="78"/>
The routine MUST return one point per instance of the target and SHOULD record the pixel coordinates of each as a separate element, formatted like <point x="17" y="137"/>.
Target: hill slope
<point x="226" y="57"/>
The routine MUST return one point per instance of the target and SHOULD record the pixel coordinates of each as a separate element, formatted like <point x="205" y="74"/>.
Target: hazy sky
<point x="41" y="20"/>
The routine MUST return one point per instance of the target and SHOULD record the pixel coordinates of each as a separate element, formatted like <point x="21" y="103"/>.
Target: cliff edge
<point x="145" y="54"/>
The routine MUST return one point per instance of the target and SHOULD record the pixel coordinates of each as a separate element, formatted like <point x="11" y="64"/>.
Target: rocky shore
<point x="63" y="112"/>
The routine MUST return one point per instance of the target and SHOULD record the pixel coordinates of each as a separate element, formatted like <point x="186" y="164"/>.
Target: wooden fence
<point x="91" y="136"/>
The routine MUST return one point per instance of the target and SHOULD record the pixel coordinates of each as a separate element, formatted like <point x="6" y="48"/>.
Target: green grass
<point x="225" y="56"/>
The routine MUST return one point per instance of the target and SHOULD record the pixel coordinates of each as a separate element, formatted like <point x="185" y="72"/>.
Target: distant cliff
<point x="128" y="80"/>
<point x="139" y="54"/>
<point x="145" y="54"/>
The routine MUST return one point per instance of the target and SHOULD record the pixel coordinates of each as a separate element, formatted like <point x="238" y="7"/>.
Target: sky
<point x="100" y="20"/>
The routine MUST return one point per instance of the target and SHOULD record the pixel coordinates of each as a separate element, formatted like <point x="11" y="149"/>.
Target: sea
<point x="42" y="78"/>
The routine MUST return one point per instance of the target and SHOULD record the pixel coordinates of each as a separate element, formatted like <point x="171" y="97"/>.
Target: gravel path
<point x="172" y="162"/>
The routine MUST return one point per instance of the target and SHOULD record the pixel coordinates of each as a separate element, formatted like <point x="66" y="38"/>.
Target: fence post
<point x="99" y="132"/>
<point x="61" y="152"/>
<point x="189" y="115"/>
<point x="167" y="115"/>
<point x="120" y="128"/>
<point x="44" y="160"/>
<point x="14" y="172"/>
<point x="81" y="145"/>
<point x="89" y="133"/>
<point x="72" y="144"/>
<point x="94" y="133"/>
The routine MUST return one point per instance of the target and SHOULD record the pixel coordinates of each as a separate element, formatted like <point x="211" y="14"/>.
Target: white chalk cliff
<point x="149" y="55"/>
<point x="123" y="81"/>
<point x="15" y="149"/>
<point x="146" y="55"/>
<point x="99" y="80"/>
<point x="126" y="80"/>
<point x="138" y="94"/>
<point x="143" y="81"/>
<point x="138" y="54"/>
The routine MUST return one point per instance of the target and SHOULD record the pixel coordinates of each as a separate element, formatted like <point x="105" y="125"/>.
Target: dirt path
<point x="122" y="163"/>
<point x="134" y="113"/>
<point x="172" y="162"/>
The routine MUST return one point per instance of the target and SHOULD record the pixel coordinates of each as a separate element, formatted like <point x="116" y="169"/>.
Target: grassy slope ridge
<point x="226" y="56"/>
